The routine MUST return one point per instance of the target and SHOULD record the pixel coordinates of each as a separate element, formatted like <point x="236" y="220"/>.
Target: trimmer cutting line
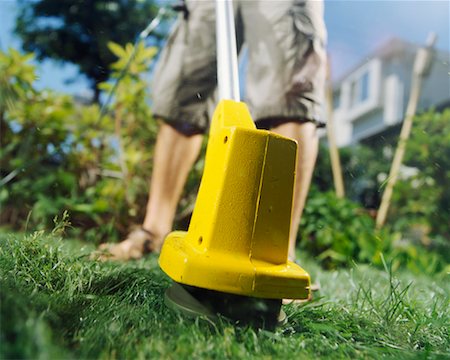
<point x="233" y="260"/>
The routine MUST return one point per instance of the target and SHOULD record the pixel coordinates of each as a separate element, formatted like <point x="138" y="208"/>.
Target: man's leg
<point x="175" y="154"/>
<point x="308" y="143"/>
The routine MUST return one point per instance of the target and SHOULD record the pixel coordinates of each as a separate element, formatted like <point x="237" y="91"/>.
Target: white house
<point x="372" y="98"/>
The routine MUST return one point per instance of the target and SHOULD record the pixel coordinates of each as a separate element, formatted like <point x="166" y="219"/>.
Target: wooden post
<point x="334" y="152"/>
<point x="421" y="68"/>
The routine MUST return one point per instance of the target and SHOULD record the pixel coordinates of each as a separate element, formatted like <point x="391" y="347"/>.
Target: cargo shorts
<point x="285" y="72"/>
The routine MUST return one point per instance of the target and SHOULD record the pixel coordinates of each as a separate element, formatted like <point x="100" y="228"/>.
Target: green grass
<point x="55" y="303"/>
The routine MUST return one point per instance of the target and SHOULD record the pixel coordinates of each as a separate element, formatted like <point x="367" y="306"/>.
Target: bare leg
<point x="174" y="157"/>
<point x="175" y="154"/>
<point x="308" y="144"/>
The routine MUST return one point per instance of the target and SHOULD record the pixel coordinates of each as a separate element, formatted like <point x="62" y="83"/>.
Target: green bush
<point x="361" y="169"/>
<point x="417" y="232"/>
<point x="58" y="154"/>
<point x="422" y="199"/>
<point x="338" y="232"/>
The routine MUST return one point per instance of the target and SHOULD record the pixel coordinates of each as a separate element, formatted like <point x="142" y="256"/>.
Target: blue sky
<point x="355" y="29"/>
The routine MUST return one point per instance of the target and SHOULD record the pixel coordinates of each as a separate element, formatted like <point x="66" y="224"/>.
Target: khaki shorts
<point x="285" y="72"/>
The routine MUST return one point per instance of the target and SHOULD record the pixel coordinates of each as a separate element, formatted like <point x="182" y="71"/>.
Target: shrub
<point x="337" y="231"/>
<point x="60" y="154"/>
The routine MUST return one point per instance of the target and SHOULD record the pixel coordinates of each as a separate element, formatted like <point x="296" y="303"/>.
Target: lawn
<point x="56" y="303"/>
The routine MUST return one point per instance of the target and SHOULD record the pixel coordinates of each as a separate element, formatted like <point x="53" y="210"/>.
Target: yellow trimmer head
<point x="238" y="238"/>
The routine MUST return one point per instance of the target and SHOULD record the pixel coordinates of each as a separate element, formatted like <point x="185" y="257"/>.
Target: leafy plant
<point x="60" y="154"/>
<point x="16" y="78"/>
<point x="423" y="199"/>
<point x="337" y="231"/>
<point x="417" y="232"/>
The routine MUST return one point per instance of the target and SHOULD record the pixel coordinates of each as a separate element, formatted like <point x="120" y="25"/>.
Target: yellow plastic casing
<point x="237" y="241"/>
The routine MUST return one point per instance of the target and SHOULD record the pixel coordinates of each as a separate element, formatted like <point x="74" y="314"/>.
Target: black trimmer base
<point x="244" y="310"/>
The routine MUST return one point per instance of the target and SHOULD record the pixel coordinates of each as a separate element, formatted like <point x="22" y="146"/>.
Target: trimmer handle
<point x="227" y="62"/>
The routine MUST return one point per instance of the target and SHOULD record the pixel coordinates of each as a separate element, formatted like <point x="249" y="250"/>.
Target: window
<point x="364" y="90"/>
<point x="359" y="89"/>
<point x="353" y="93"/>
<point x="336" y="100"/>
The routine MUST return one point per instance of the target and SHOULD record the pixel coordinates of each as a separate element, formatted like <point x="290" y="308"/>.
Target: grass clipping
<point x="55" y="303"/>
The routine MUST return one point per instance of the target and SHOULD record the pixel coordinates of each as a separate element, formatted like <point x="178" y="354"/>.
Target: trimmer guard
<point x="238" y="237"/>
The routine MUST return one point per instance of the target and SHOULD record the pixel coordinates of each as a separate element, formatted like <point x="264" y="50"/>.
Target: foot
<point x="137" y="244"/>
